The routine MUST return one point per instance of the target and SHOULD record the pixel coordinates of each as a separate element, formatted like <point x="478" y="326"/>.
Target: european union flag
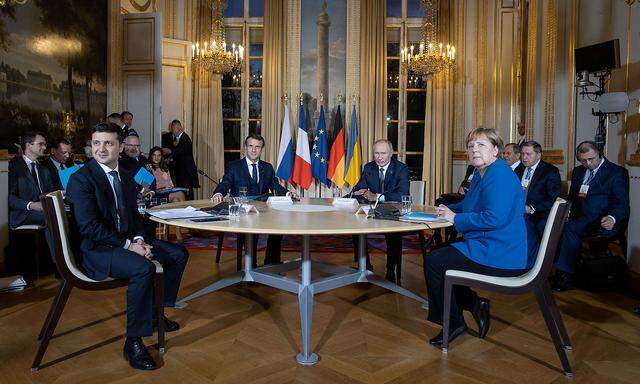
<point x="320" y="152"/>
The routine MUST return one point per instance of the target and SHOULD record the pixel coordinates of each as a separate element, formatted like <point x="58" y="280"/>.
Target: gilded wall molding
<point x="553" y="156"/>
<point x="481" y="58"/>
<point x="551" y="44"/>
<point x="293" y="59"/>
<point x="459" y="76"/>
<point x="532" y="23"/>
<point x="571" y="126"/>
<point x="114" y="75"/>
<point x="353" y="58"/>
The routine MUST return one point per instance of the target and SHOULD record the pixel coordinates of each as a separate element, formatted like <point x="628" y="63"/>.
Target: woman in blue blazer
<point x="494" y="242"/>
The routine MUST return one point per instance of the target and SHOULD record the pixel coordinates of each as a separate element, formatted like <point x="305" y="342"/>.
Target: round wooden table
<point x="324" y="220"/>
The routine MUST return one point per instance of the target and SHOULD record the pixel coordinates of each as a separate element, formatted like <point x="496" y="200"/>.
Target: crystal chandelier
<point x="212" y="54"/>
<point x="431" y="56"/>
<point x="11" y="2"/>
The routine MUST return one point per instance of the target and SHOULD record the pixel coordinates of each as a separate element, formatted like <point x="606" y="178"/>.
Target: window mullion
<point x="402" y="99"/>
<point x="244" y="126"/>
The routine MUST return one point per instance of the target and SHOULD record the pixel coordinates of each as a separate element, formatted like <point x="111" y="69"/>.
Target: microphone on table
<point x="200" y="171"/>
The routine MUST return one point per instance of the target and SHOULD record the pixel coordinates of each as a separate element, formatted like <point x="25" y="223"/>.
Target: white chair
<point x="536" y="280"/>
<point x="72" y="276"/>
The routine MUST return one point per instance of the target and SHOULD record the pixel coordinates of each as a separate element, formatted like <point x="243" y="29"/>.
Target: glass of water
<point x="406" y="204"/>
<point x="234" y="208"/>
<point x="242" y="195"/>
<point x="142" y="207"/>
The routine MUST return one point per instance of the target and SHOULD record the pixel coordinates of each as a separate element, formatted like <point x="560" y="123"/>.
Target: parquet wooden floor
<point x="362" y="333"/>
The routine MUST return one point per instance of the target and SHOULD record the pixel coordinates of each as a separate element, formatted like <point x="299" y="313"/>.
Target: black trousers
<point x="394" y="250"/>
<point x="436" y="264"/>
<point x="272" y="253"/>
<point x="140" y="272"/>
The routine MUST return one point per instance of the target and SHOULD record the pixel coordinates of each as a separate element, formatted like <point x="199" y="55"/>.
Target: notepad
<point x="144" y="177"/>
<point x="421" y="216"/>
<point x="179" y="213"/>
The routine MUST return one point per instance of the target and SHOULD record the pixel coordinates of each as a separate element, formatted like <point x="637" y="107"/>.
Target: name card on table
<point x="285" y="200"/>
<point x="248" y="208"/>
<point x="344" y="202"/>
<point x="365" y="209"/>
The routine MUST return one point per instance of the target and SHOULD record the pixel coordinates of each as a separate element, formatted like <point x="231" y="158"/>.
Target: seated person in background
<point x="103" y="200"/>
<point x="385" y="179"/>
<point x="132" y="158"/>
<point x="491" y="221"/>
<point x="540" y="182"/>
<point x="259" y="178"/>
<point x="599" y="196"/>
<point x="511" y="154"/>
<point x="59" y="159"/>
<point x="163" y="180"/>
<point x="27" y="181"/>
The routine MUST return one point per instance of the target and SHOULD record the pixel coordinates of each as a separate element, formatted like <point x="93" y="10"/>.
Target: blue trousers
<point x="571" y="242"/>
<point x="140" y="271"/>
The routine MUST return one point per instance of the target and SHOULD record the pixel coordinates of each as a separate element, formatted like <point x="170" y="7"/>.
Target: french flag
<point x="285" y="153"/>
<point x="302" y="163"/>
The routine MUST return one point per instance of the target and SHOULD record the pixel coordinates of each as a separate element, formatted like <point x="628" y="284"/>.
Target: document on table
<point x="179" y="213"/>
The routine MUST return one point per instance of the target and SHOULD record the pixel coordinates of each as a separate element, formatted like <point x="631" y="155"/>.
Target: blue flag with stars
<point x="320" y="152"/>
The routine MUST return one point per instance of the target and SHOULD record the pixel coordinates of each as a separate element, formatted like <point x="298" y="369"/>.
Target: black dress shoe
<point x="453" y="334"/>
<point x="636" y="310"/>
<point x="482" y="316"/>
<point x="137" y="355"/>
<point x="390" y="276"/>
<point x="169" y="325"/>
<point x="562" y="281"/>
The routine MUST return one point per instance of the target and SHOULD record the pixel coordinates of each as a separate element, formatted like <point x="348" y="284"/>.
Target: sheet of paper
<point x="179" y="213"/>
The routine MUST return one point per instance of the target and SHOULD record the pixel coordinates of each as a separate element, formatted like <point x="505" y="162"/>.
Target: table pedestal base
<point x="305" y="288"/>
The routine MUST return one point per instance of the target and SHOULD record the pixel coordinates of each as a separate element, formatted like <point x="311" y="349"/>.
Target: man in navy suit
<point x="599" y="195"/>
<point x="103" y="200"/>
<point x="385" y="179"/>
<point x="59" y="159"/>
<point x="259" y="178"/>
<point x="540" y="182"/>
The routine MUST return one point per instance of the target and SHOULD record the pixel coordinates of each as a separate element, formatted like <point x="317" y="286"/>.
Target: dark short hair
<point x="176" y="121"/>
<point x="58" y="141"/>
<point x="534" y="144"/>
<point x="108" y="128"/>
<point x="125" y="113"/>
<point x="254" y="136"/>
<point x="114" y="115"/>
<point x="586" y="146"/>
<point x="28" y="138"/>
<point x="516" y="147"/>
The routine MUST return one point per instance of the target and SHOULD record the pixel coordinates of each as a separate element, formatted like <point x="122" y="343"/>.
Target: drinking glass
<point x="242" y="194"/>
<point x="406" y="204"/>
<point x="234" y="208"/>
<point x="142" y="207"/>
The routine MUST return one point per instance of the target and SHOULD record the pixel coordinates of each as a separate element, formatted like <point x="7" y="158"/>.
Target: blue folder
<point x="144" y="177"/>
<point x="66" y="173"/>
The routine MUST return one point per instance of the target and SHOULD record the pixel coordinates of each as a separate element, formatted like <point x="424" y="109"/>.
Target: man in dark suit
<point x="182" y="162"/>
<point x="260" y="180"/>
<point x="27" y="181"/>
<point x="385" y="179"/>
<point x="541" y="183"/>
<point x="59" y="159"/>
<point x="511" y="154"/>
<point x="132" y="158"/>
<point x="599" y="195"/>
<point x="103" y="200"/>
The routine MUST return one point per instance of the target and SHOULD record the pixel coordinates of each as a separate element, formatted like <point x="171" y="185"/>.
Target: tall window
<point x="406" y="93"/>
<point x="242" y="91"/>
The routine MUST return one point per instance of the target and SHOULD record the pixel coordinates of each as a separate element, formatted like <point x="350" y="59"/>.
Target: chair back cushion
<point x="416" y="190"/>
<point x="65" y="259"/>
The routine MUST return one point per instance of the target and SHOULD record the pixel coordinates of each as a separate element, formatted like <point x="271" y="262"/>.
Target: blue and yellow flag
<point x="354" y="153"/>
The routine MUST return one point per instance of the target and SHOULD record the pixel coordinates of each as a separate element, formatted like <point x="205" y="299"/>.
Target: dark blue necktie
<point x="254" y="173"/>
<point x="381" y="177"/>
<point x="35" y="176"/>
<point x="122" y="212"/>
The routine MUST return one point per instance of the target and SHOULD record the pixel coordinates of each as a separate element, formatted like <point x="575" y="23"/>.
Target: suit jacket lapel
<point x="27" y="171"/>
<point x="538" y="173"/>
<point x="389" y="174"/>
<point x="105" y="186"/>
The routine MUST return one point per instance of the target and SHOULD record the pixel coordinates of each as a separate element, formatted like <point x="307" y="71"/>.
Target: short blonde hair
<point x="490" y="134"/>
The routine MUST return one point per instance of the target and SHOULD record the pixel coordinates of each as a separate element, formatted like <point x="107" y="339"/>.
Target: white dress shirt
<point x="249" y="165"/>
<point x="533" y="171"/>
<point x="110" y="178"/>
<point x="515" y="165"/>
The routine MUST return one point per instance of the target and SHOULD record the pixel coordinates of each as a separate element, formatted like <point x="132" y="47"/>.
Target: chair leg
<point x="159" y="297"/>
<point x="219" y="249"/>
<point x="51" y="322"/>
<point x="52" y="311"/>
<point x="239" y="256"/>
<point x="446" y="315"/>
<point x="557" y="317"/>
<point x="553" y="331"/>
